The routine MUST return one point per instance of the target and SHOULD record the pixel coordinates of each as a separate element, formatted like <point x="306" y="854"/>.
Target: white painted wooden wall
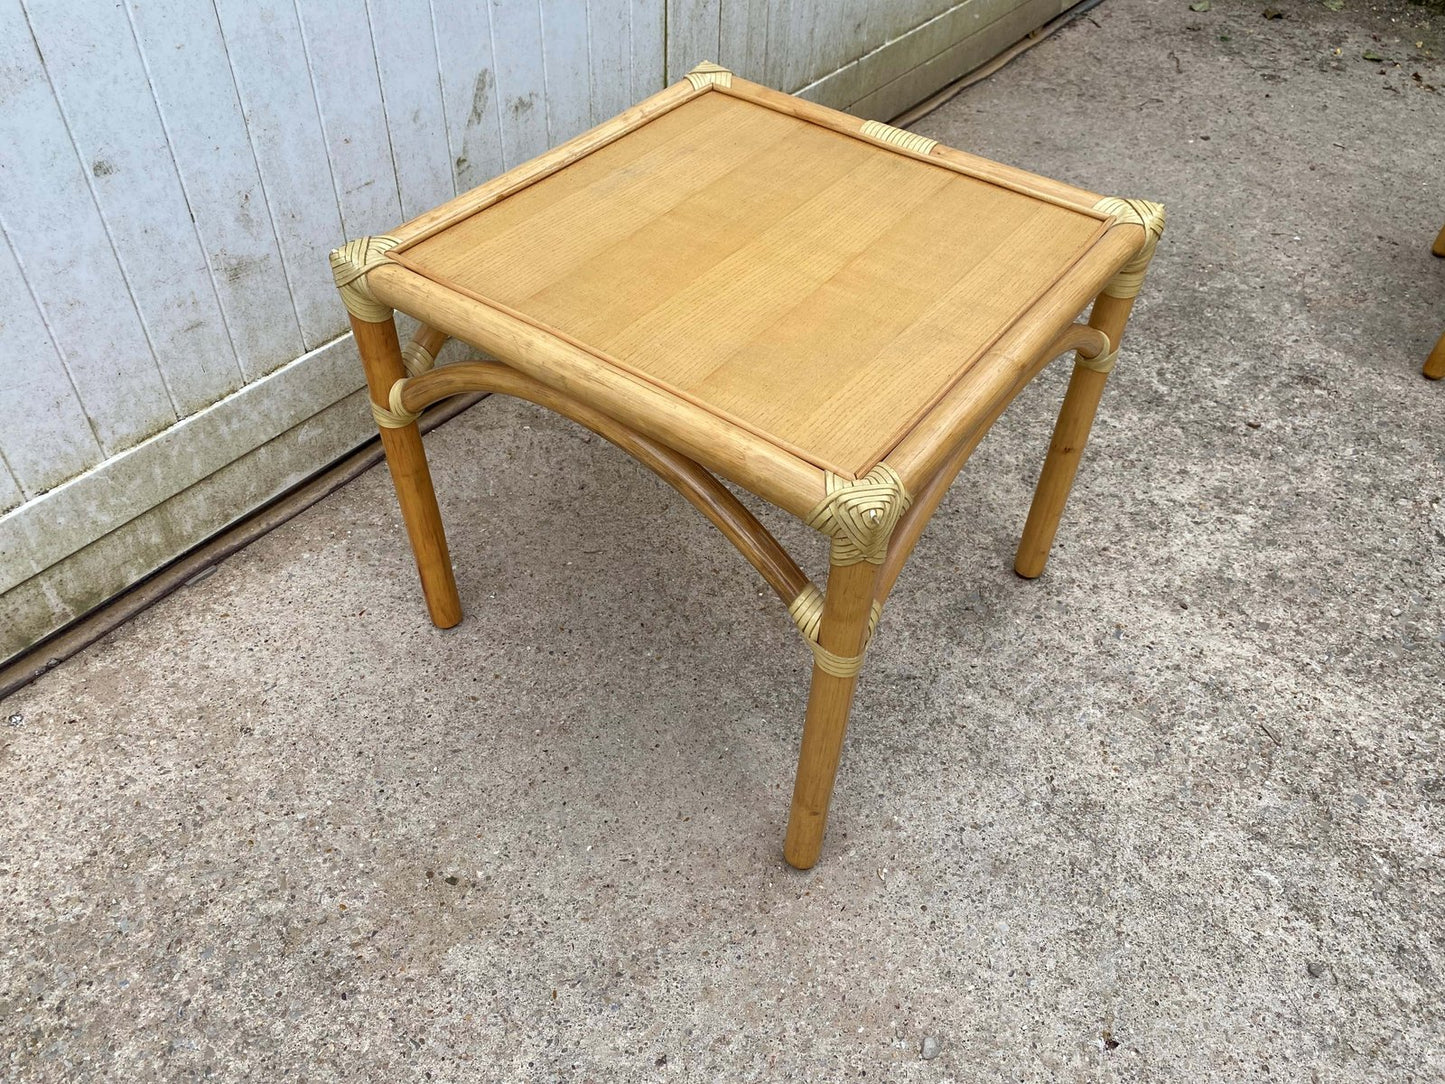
<point x="173" y="174"/>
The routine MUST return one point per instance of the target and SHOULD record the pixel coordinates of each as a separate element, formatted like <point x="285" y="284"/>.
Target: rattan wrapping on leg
<point x="807" y="613"/>
<point x="417" y="358"/>
<point x="837" y="665"/>
<point x="1104" y="363"/>
<point x="398" y="417"/>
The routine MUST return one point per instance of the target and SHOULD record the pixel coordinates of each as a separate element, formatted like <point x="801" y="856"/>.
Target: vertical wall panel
<point x="54" y="441"/>
<point x="876" y="27"/>
<point x="469" y="90"/>
<point x="89" y="51"/>
<point x="648" y="21"/>
<point x="743" y="38"/>
<point x="190" y="76"/>
<point x="805" y="27"/>
<point x="566" y="63"/>
<point x="521" y="84"/>
<point x="342" y="65"/>
<point x="263" y="41"/>
<point x="609" y="59"/>
<point x="61" y="244"/>
<point x="777" y="30"/>
<point x="406" y="57"/>
<point x="692" y="34"/>
<point x="837" y="38"/>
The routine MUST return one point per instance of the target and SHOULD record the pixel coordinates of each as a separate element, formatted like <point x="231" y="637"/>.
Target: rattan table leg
<point x="847" y="612"/>
<point x="1066" y="448"/>
<point x="405" y="456"/>
<point x="1435" y="363"/>
<point x="1086" y="386"/>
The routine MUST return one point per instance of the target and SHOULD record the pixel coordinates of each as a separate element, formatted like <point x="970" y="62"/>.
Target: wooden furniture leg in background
<point x="375" y="329"/>
<point x="1086" y="386"/>
<point x="1435" y="363"/>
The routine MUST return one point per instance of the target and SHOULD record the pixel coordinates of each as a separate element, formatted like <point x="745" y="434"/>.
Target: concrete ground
<point x="1171" y="813"/>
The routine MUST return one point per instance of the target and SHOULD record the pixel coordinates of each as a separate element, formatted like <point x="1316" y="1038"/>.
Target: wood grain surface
<point x="814" y="288"/>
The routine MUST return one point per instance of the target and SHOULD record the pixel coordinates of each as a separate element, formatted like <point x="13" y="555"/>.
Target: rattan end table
<point x="727" y="281"/>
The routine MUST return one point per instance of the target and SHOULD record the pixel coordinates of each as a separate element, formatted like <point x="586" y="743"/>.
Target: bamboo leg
<point x="1090" y="343"/>
<point x="1435" y="363"/>
<point x="1071" y="433"/>
<point x="844" y="631"/>
<point x="419" y="355"/>
<point x="381" y="357"/>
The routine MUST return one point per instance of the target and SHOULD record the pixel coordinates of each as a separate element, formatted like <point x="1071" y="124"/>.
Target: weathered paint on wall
<point x="172" y="177"/>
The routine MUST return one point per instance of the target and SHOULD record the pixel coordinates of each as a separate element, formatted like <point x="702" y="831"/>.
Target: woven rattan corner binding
<point x="728" y="282"/>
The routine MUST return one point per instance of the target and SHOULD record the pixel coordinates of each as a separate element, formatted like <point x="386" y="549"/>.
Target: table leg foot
<point x="1435" y="363"/>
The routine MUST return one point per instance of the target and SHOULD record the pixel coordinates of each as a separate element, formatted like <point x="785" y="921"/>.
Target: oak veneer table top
<point x="729" y="281"/>
<point x="820" y="290"/>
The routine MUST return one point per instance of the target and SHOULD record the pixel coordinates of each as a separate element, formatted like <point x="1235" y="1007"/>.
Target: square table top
<point x="821" y="290"/>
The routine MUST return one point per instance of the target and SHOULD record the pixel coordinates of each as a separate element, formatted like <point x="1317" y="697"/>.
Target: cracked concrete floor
<point x="1171" y="813"/>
